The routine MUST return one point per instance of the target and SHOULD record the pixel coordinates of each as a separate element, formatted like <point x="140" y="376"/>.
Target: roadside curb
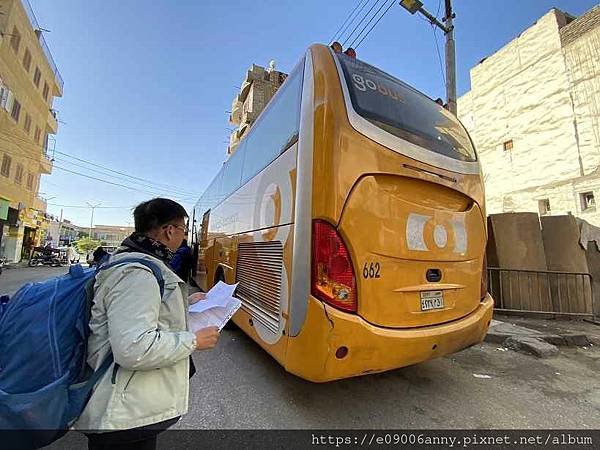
<point x="535" y="342"/>
<point x="534" y="346"/>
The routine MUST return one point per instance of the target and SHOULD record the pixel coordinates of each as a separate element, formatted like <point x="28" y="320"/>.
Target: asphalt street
<point x="12" y="279"/>
<point x="239" y="386"/>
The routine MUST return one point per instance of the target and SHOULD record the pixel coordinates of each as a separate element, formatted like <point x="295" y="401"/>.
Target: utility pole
<point x="450" y="58"/>
<point x="60" y="225"/>
<point x="92" y="219"/>
<point x="414" y="6"/>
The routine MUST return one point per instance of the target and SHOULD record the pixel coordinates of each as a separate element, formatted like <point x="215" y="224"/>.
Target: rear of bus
<point x="398" y="228"/>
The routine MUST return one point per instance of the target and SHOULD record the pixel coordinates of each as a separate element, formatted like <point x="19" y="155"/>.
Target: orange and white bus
<point x="352" y="215"/>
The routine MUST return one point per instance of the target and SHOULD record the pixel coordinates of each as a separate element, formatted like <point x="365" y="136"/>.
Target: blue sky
<point x="148" y="84"/>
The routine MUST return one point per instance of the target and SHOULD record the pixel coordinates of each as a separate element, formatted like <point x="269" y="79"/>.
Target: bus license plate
<point x="432" y="300"/>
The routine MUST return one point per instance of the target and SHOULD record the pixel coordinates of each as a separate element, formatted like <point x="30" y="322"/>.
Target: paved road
<point x="239" y="386"/>
<point x="12" y="279"/>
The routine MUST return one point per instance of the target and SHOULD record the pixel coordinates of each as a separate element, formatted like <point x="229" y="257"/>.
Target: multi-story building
<point x="533" y="112"/>
<point x="258" y="88"/>
<point x="63" y="232"/>
<point x="29" y="81"/>
<point x="111" y="236"/>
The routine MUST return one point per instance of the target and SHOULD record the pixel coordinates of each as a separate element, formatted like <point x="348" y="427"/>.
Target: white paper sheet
<point x="216" y="309"/>
<point x="219" y="296"/>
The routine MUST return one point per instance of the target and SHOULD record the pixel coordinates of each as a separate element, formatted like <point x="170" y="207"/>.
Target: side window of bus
<point x="214" y="193"/>
<point x="232" y="172"/>
<point x="276" y="129"/>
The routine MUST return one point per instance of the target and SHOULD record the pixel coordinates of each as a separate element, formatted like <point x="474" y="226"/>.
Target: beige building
<point x="533" y="112"/>
<point x="258" y="88"/>
<point x="110" y="235"/>
<point x="29" y="81"/>
<point x="63" y="232"/>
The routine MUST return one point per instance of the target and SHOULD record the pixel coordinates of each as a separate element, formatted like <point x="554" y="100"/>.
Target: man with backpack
<point x="146" y="389"/>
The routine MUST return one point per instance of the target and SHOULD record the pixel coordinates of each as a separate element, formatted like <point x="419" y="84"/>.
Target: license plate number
<point x="432" y="300"/>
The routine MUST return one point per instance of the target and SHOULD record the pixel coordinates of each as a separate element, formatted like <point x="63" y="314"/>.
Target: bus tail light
<point x="350" y="52"/>
<point x="333" y="278"/>
<point x="484" y="277"/>
<point x="337" y="47"/>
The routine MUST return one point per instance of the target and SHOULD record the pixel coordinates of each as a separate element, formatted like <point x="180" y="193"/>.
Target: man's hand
<point x="207" y="338"/>
<point x="194" y="298"/>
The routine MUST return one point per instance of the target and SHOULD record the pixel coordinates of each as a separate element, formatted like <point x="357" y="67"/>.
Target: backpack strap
<point x="155" y="268"/>
<point x="95" y="377"/>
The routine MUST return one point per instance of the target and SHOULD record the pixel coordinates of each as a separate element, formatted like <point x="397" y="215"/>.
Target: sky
<point x="148" y="84"/>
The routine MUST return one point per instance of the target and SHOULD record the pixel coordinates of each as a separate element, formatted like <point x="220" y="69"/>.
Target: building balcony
<point x="58" y="81"/>
<point x="46" y="164"/>
<point x="52" y="122"/>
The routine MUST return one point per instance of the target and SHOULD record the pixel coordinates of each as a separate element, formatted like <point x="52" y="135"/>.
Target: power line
<point x="114" y="184"/>
<point x="374" y="25"/>
<point x="122" y="173"/>
<point x="361" y="22"/>
<point x="152" y="182"/>
<point x="355" y="17"/>
<point x="87" y="207"/>
<point x="184" y="197"/>
<point x="345" y="21"/>
<point x="436" y="42"/>
<point x="120" y="178"/>
<point x="438" y="53"/>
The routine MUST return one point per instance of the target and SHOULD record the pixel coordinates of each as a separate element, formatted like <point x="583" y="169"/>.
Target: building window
<point x="587" y="201"/>
<point x="16" y="110"/>
<point x="4" y="94"/>
<point x="46" y="91"/>
<point x="37" y="76"/>
<point x="508" y="145"/>
<point x="27" y="60"/>
<point x="27" y="125"/>
<point x="6" y="162"/>
<point x="37" y="135"/>
<point x="19" y="174"/>
<point x="30" y="181"/>
<point x="15" y="40"/>
<point x="544" y="206"/>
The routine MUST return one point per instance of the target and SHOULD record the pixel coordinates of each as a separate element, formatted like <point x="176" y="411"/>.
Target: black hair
<point x="155" y="213"/>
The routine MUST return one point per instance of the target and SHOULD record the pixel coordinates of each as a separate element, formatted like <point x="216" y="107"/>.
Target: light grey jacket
<point x="150" y="343"/>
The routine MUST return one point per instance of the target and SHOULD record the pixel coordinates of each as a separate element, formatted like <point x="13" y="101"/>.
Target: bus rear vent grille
<point x="259" y="269"/>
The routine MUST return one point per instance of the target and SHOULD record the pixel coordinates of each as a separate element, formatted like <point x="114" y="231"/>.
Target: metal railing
<point x="42" y="41"/>
<point x="542" y="291"/>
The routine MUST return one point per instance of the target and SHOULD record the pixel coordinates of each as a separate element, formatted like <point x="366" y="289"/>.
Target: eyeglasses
<point x="185" y="228"/>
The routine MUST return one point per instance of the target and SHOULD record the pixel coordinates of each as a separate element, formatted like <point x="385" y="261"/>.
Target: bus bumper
<point x="371" y="349"/>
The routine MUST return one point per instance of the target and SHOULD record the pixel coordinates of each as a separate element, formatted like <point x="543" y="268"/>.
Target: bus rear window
<point x="403" y="111"/>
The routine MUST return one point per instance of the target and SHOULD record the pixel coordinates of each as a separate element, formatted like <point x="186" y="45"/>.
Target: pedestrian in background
<point x="146" y="389"/>
<point x="71" y="254"/>
<point x="99" y="256"/>
<point x="182" y="261"/>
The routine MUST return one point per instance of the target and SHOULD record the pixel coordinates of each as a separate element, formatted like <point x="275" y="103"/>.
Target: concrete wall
<point x="561" y="244"/>
<point x="515" y="242"/>
<point x="542" y="92"/>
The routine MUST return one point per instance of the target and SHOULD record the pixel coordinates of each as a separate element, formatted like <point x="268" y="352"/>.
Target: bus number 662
<point x="371" y="270"/>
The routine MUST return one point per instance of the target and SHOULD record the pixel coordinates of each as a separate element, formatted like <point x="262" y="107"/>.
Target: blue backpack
<point x="45" y="381"/>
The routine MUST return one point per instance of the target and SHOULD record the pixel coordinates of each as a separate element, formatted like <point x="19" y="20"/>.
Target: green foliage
<point x="86" y="245"/>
